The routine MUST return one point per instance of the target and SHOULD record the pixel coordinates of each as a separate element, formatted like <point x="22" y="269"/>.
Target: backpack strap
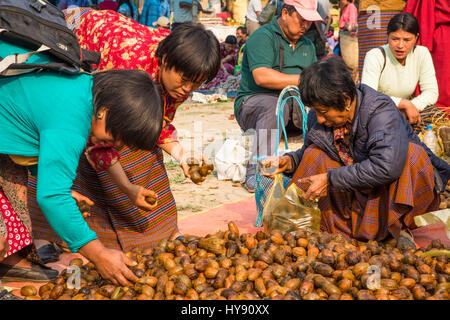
<point x="16" y="59"/>
<point x="280" y="45"/>
<point x="384" y="56"/>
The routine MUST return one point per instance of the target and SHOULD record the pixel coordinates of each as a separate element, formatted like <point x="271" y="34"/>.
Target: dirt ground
<point x="204" y="128"/>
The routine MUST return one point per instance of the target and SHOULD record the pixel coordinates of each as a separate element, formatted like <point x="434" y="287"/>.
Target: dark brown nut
<point x="148" y="291"/>
<point x="360" y="268"/>
<point x="322" y="294"/>
<point x="151" y="199"/>
<point x="83" y="206"/>
<point x="323" y="269"/>
<point x="426" y="279"/>
<point x="389" y="284"/>
<point x="260" y="288"/>
<point x="168" y="289"/>
<point x="232" y="249"/>
<point x="226" y="263"/>
<point x="319" y="280"/>
<point x="401" y="293"/>
<point x="278" y="271"/>
<point x="424" y="269"/>
<point x="56" y="292"/>
<point x="149" y="280"/>
<point x="106" y="290"/>
<point x="365" y="295"/>
<point x="254" y="273"/>
<point x="265" y="257"/>
<point x="195" y="176"/>
<point x="43" y="289"/>
<point x="161" y="284"/>
<point x="346" y="296"/>
<point x="210" y="273"/>
<point x="76" y="262"/>
<point x="291" y="295"/>
<point x="345" y="285"/>
<point x="138" y="272"/>
<point x="233" y="228"/>
<point x="191" y="294"/>
<point x="396" y="276"/>
<point x="27" y="291"/>
<point x="242" y="275"/>
<point x="307" y="287"/>
<point x="175" y="271"/>
<point x="279" y="256"/>
<point x="232" y="236"/>
<point x="260" y="236"/>
<point x="201" y="265"/>
<point x="311" y="296"/>
<point x="118" y="293"/>
<point x="203" y="171"/>
<point x="32" y="298"/>
<point x="298" y="251"/>
<point x="302" y="242"/>
<point x="312" y="253"/>
<point x="260" y="265"/>
<point x="409" y="259"/>
<point x="352" y="258"/>
<point x="396" y="265"/>
<point x="159" y="296"/>
<point x="213" y="244"/>
<point x="408" y="283"/>
<point x="238" y="286"/>
<point x="327" y="256"/>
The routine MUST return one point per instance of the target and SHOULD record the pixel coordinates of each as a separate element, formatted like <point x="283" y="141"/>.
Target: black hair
<point x="134" y="104"/>
<point x="289" y="8"/>
<point x="327" y="83"/>
<point x="191" y="50"/>
<point x="243" y="30"/>
<point x="231" y="39"/>
<point x="404" y="21"/>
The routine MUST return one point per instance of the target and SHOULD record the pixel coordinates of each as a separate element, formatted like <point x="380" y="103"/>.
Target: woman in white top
<point x="402" y="66"/>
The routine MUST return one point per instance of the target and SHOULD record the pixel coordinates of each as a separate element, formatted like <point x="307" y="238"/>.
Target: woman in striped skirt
<point x="361" y="159"/>
<point x="180" y="62"/>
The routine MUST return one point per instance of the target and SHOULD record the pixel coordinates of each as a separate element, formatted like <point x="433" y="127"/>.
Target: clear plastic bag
<point x="285" y="210"/>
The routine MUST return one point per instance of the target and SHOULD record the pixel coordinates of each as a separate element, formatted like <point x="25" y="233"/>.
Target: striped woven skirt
<point x="379" y="213"/>
<point x="117" y="222"/>
<point x="372" y="32"/>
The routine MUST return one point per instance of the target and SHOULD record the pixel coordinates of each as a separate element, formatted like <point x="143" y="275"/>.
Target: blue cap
<point x="429" y="127"/>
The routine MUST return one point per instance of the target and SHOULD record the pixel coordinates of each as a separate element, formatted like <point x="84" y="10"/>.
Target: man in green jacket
<point x="274" y="56"/>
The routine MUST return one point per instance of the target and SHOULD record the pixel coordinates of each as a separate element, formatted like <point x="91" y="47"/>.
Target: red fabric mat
<point x="424" y="235"/>
<point x="243" y="213"/>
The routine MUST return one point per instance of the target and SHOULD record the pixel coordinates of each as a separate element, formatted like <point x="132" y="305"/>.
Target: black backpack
<point x="40" y="27"/>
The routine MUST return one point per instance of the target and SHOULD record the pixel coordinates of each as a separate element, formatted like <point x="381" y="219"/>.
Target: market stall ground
<point x="203" y="128"/>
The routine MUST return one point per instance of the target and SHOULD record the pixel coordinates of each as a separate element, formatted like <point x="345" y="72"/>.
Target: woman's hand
<point x="318" y="186"/>
<point x="183" y="163"/>
<point x="4" y="247"/>
<point x="410" y="111"/>
<point x="110" y="263"/>
<point x="139" y="199"/>
<point x="176" y="150"/>
<point x="275" y="165"/>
